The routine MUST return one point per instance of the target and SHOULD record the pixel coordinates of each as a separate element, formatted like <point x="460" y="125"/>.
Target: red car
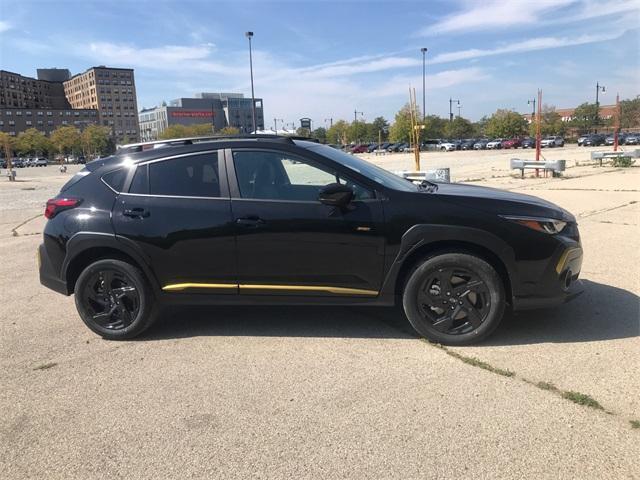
<point x="512" y="143"/>
<point x="362" y="148"/>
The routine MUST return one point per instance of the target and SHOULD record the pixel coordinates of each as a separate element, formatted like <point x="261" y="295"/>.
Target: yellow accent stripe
<point x="311" y="288"/>
<point x="299" y="288"/>
<point x="564" y="257"/>
<point x="184" y="286"/>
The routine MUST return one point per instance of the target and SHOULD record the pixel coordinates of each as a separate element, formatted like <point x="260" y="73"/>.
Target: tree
<point x="479" y="127"/>
<point x="32" y="141"/>
<point x="378" y="125"/>
<point x="434" y="127"/>
<point x="357" y="132"/>
<point x="401" y="128"/>
<point x="550" y="122"/>
<point x="506" y="124"/>
<point x="630" y="113"/>
<point x="458" y="128"/>
<point x="230" y="131"/>
<point x="320" y="133"/>
<point x="584" y="117"/>
<point x="65" y="139"/>
<point x="337" y="133"/>
<point x="95" y="140"/>
<point x="6" y="145"/>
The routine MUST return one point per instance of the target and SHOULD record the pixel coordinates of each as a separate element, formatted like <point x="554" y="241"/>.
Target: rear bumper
<point x="48" y="275"/>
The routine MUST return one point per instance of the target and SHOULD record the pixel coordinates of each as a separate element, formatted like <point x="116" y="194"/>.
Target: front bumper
<point x="563" y="283"/>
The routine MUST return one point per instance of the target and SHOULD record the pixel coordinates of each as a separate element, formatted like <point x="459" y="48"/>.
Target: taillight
<point x="56" y="205"/>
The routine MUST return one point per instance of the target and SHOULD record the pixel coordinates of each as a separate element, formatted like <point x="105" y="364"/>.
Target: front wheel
<point x="454" y="299"/>
<point x="114" y="299"/>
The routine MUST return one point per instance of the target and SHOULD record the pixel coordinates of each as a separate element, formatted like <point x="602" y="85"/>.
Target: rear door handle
<point x="136" y="212"/>
<point x="250" y="221"/>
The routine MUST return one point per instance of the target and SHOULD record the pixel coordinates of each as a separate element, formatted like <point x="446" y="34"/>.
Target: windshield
<point x="365" y="168"/>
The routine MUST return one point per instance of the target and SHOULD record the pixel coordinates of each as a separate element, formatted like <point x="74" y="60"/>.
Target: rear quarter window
<point x="115" y="179"/>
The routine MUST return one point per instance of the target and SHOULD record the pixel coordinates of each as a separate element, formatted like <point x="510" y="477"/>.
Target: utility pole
<point x="533" y="112"/>
<point x="617" y="124"/>
<point x="451" y="100"/>
<point x="459" y="107"/>
<point x="424" y="82"/>
<point x="330" y="121"/>
<point x="249" y="35"/>
<point x="355" y="115"/>
<point x="275" y="124"/>
<point x="538" y="118"/>
<point x="599" y="88"/>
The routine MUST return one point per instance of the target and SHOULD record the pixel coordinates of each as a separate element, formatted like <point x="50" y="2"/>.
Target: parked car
<point x="480" y="144"/>
<point x="372" y="147"/>
<point x="552" y="141"/>
<point x="360" y="234"/>
<point x="610" y="139"/>
<point x="528" y="142"/>
<point x="18" y="163"/>
<point x="512" y="143"/>
<point x="495" y="144"/>
<point x="391" y="147"/>
<point x="361" y="148"/>
<point x="447" y="146"/>
<point x="593" y="140"/>
<point x="467" y="144"/>
<point x="397" y="147"/>
<point x="581" y="140"/>
<point x="632" y="139"/>
<point x="41" y="162"/>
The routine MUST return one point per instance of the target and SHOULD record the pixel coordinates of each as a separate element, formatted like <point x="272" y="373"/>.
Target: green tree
<point x="321" y="134"/>
<point x="378" y="125"/>
<point x="550" y="122"/>
<point x="95" y="140"/>
<point x="434" y="127"/>
<point x="584" y="117"/>
<point x="65" y="139"/>
<point x="337" y="133"/>
<point x="400" y="131"/>
<point x="7" y="145"/>
<point x="230" y="131"/>
<point x="506" y="124"/>
<point x="32" y="142"/>
<point x="459" y="128"/>
<point x="630" y="113"/>
<point x="479" y="127"/>
<point x="357" y="132"/>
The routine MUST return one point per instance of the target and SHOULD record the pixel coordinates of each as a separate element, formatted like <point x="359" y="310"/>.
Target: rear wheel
<point x="114" y="299"/>
<point x="454" y="299"/>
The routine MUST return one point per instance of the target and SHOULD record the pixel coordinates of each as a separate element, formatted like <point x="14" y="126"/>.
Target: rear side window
<point x="191" y="176"/>
<point x="140" y="182"/>
<point x="115" y="179"/>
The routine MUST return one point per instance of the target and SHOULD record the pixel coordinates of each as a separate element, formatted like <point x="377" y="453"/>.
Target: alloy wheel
<point x="111" y="299"/>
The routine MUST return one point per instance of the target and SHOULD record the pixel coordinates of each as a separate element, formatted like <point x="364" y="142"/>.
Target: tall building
<point x="100" y="95"/>
<point x="110" y="91"/>
<point x="218" y="109"/>
<point x="27" y="102"/>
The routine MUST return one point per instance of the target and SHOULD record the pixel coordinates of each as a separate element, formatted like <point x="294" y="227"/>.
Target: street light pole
<point x="355" y="115"/>
<point x="533" y="112"/>
<point x="459" y="107"/>
<point x="275" y="124"/>
<point x="249" y="35"/>
<point x="451" y="100"/>
<point x="424" y="82"/>
<point x="330" y="120"/>
<point x="599" y="88"/>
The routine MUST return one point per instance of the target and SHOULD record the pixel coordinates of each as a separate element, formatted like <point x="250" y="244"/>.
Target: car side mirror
<point x="335" y="195"/>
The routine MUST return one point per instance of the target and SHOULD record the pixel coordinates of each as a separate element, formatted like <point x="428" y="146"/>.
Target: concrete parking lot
<point x="331" y="392"/>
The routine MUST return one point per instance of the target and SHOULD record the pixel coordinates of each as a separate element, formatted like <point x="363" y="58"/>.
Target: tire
<point x="115" y="300"/>
<point x="477" y="299"/>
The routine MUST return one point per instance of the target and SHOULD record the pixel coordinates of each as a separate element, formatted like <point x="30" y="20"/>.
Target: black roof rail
<point x="142" y="146"/>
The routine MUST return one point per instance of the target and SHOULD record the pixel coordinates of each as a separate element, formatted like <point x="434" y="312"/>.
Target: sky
<point x="324" y="59"/>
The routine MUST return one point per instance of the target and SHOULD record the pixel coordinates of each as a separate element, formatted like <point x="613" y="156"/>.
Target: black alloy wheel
<point x="114" y="299"/>
<point x="454" y="298"/>
<point x="111" y="298"/>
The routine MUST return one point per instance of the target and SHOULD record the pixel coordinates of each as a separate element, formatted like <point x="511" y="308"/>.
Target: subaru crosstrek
<point x="273" y="220"/>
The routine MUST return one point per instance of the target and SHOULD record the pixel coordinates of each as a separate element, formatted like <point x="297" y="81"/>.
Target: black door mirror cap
<point x="335" y="195"/>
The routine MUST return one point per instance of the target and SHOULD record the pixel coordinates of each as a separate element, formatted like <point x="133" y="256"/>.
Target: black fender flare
<point x="422" y="235"/>
<point x="84" y="241"/>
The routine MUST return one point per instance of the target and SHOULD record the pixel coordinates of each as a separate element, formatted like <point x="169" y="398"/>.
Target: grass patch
<point x="635" y="423"/>
<point x="546" y="386"/>
<point x="46" y="366"/>
<point x="582" y="399"/>
<point x="476" y="362"/>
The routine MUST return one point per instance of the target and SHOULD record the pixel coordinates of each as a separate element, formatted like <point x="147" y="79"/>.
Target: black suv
<point x="273" y="220"/>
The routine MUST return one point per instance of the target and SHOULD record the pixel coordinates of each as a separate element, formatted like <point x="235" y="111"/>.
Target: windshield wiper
<point x="428" y="186"/>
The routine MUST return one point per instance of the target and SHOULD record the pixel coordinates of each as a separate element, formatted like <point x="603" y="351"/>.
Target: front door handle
<point x="136" y="212"/>
<point x="251" y="221"/>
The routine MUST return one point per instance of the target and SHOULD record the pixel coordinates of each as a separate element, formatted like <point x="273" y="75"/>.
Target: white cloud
<point x="532" y="44"/>
<point x="4" y="26"/>
<point x="492" y="14"/>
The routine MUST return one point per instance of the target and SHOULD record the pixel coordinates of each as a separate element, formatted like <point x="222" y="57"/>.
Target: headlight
<point x="545" y="225"/>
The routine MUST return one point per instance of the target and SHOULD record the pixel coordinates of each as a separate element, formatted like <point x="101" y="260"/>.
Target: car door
<point x="177" y="213"/>
<point x="288" y="243"/>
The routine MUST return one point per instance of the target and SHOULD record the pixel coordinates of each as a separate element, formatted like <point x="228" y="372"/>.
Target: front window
<point x="369" y="170"/>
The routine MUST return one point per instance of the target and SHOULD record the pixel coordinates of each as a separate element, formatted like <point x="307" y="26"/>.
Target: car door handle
<point x="136" y="212"/>
<point x="250" y="221"/>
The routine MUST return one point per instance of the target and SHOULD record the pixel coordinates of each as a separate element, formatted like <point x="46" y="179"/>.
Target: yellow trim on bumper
<point x="569" y="254"/>
<point x="292" y="288"/>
